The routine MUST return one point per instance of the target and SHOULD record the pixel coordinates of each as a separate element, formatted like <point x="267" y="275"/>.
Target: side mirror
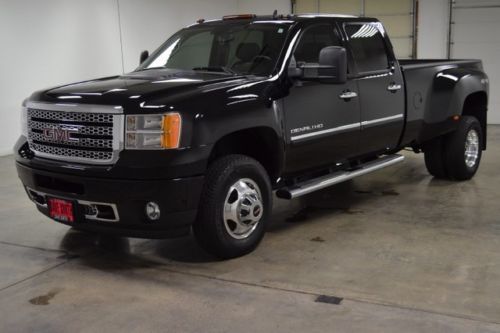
<point x="144" y="56"/>
<point x="332" y="67"/>
<point x="333" y="64"/>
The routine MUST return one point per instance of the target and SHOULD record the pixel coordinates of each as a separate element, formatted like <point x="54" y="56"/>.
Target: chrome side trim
<point x="81" y="202"/>
<point x="330" y="130"/>
<point x="381" y="120"/>
<point x="374" y="76"/>
<point x="348" y="127"/>
<point x="73" y="107"/>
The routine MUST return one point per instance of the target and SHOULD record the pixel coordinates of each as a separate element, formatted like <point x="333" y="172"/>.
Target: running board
<point x="322" y="182"/>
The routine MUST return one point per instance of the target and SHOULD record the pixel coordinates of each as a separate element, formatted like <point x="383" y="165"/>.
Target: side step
<point x="322" y="182"/>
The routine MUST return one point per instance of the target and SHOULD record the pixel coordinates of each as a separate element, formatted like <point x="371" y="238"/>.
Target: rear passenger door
<point x="380" y="84"/>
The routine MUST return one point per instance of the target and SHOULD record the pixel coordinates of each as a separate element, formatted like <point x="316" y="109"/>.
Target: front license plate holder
<point x="61" y="210"/>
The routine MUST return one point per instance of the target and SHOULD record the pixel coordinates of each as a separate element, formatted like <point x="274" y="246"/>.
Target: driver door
<point x="322" y="126"/>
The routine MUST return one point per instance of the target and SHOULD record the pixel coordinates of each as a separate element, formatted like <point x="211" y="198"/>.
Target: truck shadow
<point x="99" y="251"/>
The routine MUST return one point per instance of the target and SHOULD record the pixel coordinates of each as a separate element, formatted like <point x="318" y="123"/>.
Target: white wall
<point x="51" y="42"/>
<point x="147" y="24"/>
<point x="432" y="37"/>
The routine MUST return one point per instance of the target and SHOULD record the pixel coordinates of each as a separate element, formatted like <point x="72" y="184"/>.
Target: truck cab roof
<point x="282" y="19"/>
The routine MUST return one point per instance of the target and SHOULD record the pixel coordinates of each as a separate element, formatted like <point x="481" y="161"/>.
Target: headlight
<point x="24" y="120"/>
<point x="153" y="131"/>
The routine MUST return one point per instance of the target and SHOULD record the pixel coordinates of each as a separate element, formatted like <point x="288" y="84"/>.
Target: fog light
<point x="152" y="211"/>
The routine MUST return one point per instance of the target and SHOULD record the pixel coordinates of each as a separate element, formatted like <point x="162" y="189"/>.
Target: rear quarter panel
<point x="435" y="93"/>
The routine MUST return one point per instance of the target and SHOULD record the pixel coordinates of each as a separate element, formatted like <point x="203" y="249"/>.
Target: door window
<point x="368" y="47"/>
<point x="312" y="41"/>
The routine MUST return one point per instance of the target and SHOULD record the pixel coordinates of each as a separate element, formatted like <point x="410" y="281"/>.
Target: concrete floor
<point x="406" y="252"/>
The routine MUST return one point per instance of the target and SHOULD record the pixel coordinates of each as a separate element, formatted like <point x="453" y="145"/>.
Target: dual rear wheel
<point x="457" y="155"/>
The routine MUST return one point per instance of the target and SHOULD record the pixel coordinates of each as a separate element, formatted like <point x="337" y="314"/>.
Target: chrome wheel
<point x="243" y="208"/>
<point x="471" y="148"/>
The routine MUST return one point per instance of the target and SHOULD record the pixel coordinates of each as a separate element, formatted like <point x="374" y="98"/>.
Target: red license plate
<point x="61" y="210"/>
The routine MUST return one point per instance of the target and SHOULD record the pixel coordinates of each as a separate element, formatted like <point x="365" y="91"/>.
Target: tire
<point x="445" y="157"/>
<point x="236" y="187"/>
<point x="463" y="149"/>
<point x="434" y="158"/>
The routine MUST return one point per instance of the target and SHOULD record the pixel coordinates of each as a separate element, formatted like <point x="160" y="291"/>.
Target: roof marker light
<point x="239" y="17"/>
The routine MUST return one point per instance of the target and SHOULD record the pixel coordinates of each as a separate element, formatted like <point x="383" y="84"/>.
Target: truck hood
<point x="150" y="86"/>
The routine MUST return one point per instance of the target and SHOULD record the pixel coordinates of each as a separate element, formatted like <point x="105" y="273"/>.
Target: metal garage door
<point x="475" y="33"/>
<point x="396" y="15"/>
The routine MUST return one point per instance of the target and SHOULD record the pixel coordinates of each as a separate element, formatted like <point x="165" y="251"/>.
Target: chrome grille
<point x="71" y="116"/>
<point x="82" y="142"/>
<point x="80" y="134"/>
<point x="84" y="154"/>
<point x="92" y="130"/>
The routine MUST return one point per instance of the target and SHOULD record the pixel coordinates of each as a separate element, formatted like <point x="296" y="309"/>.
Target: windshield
<point x="229" y="48"/>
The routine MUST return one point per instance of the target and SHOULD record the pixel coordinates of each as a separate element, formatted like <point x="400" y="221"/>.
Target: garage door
<point x="396" y="15"/>
<point x="475" y="34"/>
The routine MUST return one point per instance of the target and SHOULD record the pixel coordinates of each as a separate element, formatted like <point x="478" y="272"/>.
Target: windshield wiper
<point x="219" y="69"/>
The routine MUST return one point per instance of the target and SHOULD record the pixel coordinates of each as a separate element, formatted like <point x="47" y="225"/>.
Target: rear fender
<point x="450" y="89"/>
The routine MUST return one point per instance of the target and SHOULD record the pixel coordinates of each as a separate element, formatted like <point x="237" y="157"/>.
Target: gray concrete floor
<point x="406" y="252"/>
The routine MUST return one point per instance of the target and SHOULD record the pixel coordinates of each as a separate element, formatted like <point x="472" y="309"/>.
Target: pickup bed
<point x="227" y="111"/>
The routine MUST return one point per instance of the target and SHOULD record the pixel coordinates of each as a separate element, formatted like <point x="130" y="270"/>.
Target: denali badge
<point x="306" y="128"/>
<point x="60" y="134"/>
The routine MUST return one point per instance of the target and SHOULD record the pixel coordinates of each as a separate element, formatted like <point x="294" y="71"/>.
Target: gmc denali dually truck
<point x="227" y="111"/>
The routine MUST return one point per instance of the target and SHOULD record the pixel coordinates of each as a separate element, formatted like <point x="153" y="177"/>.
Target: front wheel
<point x="234" y="208"/>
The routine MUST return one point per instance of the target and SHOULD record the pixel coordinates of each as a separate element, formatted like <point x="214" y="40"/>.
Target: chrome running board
<point x="322" y="182"/>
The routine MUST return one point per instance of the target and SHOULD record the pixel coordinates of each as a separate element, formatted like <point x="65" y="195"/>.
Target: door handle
<point x="393" y="87"/>
<point x="348" y="95"/>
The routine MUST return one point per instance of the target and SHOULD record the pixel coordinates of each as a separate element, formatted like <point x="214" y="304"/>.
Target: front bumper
<point x="125" y="198"/>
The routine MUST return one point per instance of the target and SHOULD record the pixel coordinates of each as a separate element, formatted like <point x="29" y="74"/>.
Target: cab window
<point x="368" y="47"/>
<point x="312" y="41"/>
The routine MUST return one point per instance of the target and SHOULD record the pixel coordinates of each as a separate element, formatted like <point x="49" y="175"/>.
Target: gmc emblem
<point x="60" y="134"/>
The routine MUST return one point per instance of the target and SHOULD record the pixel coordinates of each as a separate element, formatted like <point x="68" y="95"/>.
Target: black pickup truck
<point x="227" y="111"/>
